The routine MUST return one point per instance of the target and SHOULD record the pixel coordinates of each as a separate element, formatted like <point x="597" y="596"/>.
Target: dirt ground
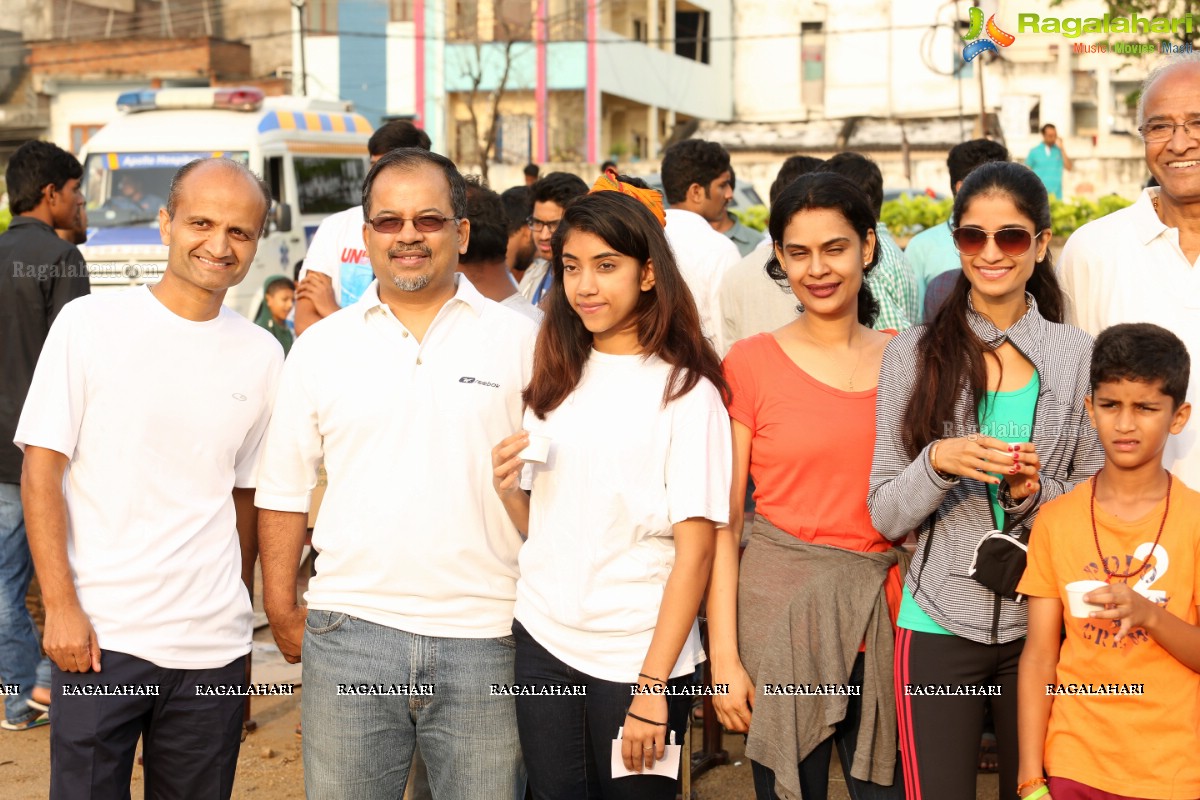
<point x="270" y="765"/>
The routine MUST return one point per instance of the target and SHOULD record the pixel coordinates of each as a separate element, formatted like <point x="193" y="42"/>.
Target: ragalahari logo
<point x="982" y="37"/>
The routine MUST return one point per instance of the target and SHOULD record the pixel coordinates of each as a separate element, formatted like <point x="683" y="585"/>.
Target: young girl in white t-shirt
<point x="621" y="516"/>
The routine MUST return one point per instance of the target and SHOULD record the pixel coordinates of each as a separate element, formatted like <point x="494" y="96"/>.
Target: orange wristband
<point x="1029" y="784"/>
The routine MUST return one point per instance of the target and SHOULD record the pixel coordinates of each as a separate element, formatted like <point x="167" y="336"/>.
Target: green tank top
<point x="1007" y="416"/>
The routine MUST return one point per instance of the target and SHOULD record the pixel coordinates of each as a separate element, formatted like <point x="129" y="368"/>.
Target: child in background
<point x="1135" y="527"/>
<point x="279" y="295"/>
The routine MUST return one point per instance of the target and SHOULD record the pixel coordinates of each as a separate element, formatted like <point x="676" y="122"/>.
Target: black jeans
<point x="190" y="740"/>
<point x="814" y="769"/>
<point x="567" y="741"/>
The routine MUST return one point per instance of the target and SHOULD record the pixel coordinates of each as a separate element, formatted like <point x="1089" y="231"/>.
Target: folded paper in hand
<point x="667" y="766"/>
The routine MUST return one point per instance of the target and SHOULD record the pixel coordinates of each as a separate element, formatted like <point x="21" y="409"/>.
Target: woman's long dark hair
<point x="668" y="324"/>
<point x="826" y="190"/>
<point x="950" y="353"/>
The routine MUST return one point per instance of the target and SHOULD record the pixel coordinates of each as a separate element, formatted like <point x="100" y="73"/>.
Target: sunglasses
<point x="1011" y="241"/>
<point x="426" y="223"/>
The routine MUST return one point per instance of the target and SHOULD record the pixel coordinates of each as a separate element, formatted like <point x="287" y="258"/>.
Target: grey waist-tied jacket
<point x="803" y="611"/>
<point x="907" y="494"/>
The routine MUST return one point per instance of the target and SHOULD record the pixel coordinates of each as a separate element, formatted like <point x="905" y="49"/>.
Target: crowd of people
<point x="543" y="416"/>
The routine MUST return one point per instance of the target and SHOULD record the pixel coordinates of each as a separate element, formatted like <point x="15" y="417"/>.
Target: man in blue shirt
<point x="1048" y="160"/>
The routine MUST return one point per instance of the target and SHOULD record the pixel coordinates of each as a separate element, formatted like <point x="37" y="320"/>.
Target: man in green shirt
<point x="1048" y="160"/>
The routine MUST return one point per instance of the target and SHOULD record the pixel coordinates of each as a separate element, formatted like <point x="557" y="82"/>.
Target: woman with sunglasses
<point x="621" y="514"/>
<point x="814" y="598"/>
<point x="980" y="420"/>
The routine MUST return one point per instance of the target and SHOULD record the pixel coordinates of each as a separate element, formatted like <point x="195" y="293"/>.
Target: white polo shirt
<point x="411" y="533"/>
<point x="703" y="257"/>
<point x="1128" y="267"/>
<point x="161" y="418"/>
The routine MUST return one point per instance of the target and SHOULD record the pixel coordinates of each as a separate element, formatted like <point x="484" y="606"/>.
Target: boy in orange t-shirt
<point x="1126" y="677"/>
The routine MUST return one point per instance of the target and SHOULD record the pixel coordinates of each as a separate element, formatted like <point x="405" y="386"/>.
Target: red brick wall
<point x="151" y="58"/>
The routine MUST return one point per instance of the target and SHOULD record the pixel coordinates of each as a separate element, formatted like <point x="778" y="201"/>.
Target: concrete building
<point x="64" y="62"/>
<point x="582" y="80"/>
<point x="887" y="77"/>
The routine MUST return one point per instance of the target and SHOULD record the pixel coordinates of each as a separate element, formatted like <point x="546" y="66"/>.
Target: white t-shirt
<point x="338" y="250"/>
<point x="703" y="257"/>
<point x="622" y="470"/>
<point x="531" y="279"/>
<point x="411" y="534"/>
<point x="751" y="302"/>
<point x="161" y="418"/>
<point x="1128" y="267"/>
<point x="518" y="303"/>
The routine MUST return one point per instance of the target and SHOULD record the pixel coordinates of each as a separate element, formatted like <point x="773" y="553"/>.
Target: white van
<point x="312" y="153"/>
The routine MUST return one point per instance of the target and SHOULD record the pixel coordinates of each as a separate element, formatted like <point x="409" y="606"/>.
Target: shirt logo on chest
<point x="477" y="382"/>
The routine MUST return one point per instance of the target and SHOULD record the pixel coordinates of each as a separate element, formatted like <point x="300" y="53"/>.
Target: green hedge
<point x="753" y="217"/>
<point x="909" y="215"/>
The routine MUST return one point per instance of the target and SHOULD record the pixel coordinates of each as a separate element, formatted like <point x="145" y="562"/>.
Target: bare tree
<point x="509" y="34"/>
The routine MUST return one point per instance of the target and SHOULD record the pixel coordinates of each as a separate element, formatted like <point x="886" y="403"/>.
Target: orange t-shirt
<point x="811" y="451"/>
<point x="1103" y="740"/>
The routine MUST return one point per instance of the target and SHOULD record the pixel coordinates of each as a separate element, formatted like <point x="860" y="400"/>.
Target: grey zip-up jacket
<point x="906" y="494"/>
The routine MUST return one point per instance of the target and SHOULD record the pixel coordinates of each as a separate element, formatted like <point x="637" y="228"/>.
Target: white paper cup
<point x="1075" y="593"/>
<point x="537" y="450"/>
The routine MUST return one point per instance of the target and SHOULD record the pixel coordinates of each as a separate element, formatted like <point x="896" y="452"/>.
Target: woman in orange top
<point x="803" y="420"/>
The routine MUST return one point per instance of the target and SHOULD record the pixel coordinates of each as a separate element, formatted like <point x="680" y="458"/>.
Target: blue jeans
<point x="567" y="740"/>
<point x="360" y="746"/>
<point x="814" y="769"/>
<point x="21" y="661"/>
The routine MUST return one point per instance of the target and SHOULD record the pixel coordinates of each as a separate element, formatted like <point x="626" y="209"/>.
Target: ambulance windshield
<point x="127" y="189"/>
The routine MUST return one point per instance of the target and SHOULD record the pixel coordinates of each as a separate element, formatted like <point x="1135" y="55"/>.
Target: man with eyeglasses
<point x="551" y="196"/>
<point x="1142" y="263"/>
<point x="336" y="268"/>
<point x="408" y="621"/>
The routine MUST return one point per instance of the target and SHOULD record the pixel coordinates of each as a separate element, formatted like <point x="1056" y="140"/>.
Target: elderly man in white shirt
<point x="409" y="618"/>
<point x="696" y="181"/>
<point x="1142" y="263"/>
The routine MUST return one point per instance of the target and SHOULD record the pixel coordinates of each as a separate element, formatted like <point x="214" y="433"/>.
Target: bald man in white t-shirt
<point x="141" y="432"/>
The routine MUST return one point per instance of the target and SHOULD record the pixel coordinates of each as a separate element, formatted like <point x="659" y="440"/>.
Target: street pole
<point x="299" y="5"/>
<point x="982" y="109"/>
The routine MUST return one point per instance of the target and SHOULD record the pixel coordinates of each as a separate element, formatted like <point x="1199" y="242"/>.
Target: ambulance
<point x="311" y="153"/>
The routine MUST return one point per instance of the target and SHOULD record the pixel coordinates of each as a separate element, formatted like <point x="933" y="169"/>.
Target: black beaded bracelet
<point x="652" y="678"/>
<point x="643" y="719"/>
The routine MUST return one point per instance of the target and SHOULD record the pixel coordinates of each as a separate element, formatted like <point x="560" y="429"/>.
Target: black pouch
<point x="1000" y="557"/>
